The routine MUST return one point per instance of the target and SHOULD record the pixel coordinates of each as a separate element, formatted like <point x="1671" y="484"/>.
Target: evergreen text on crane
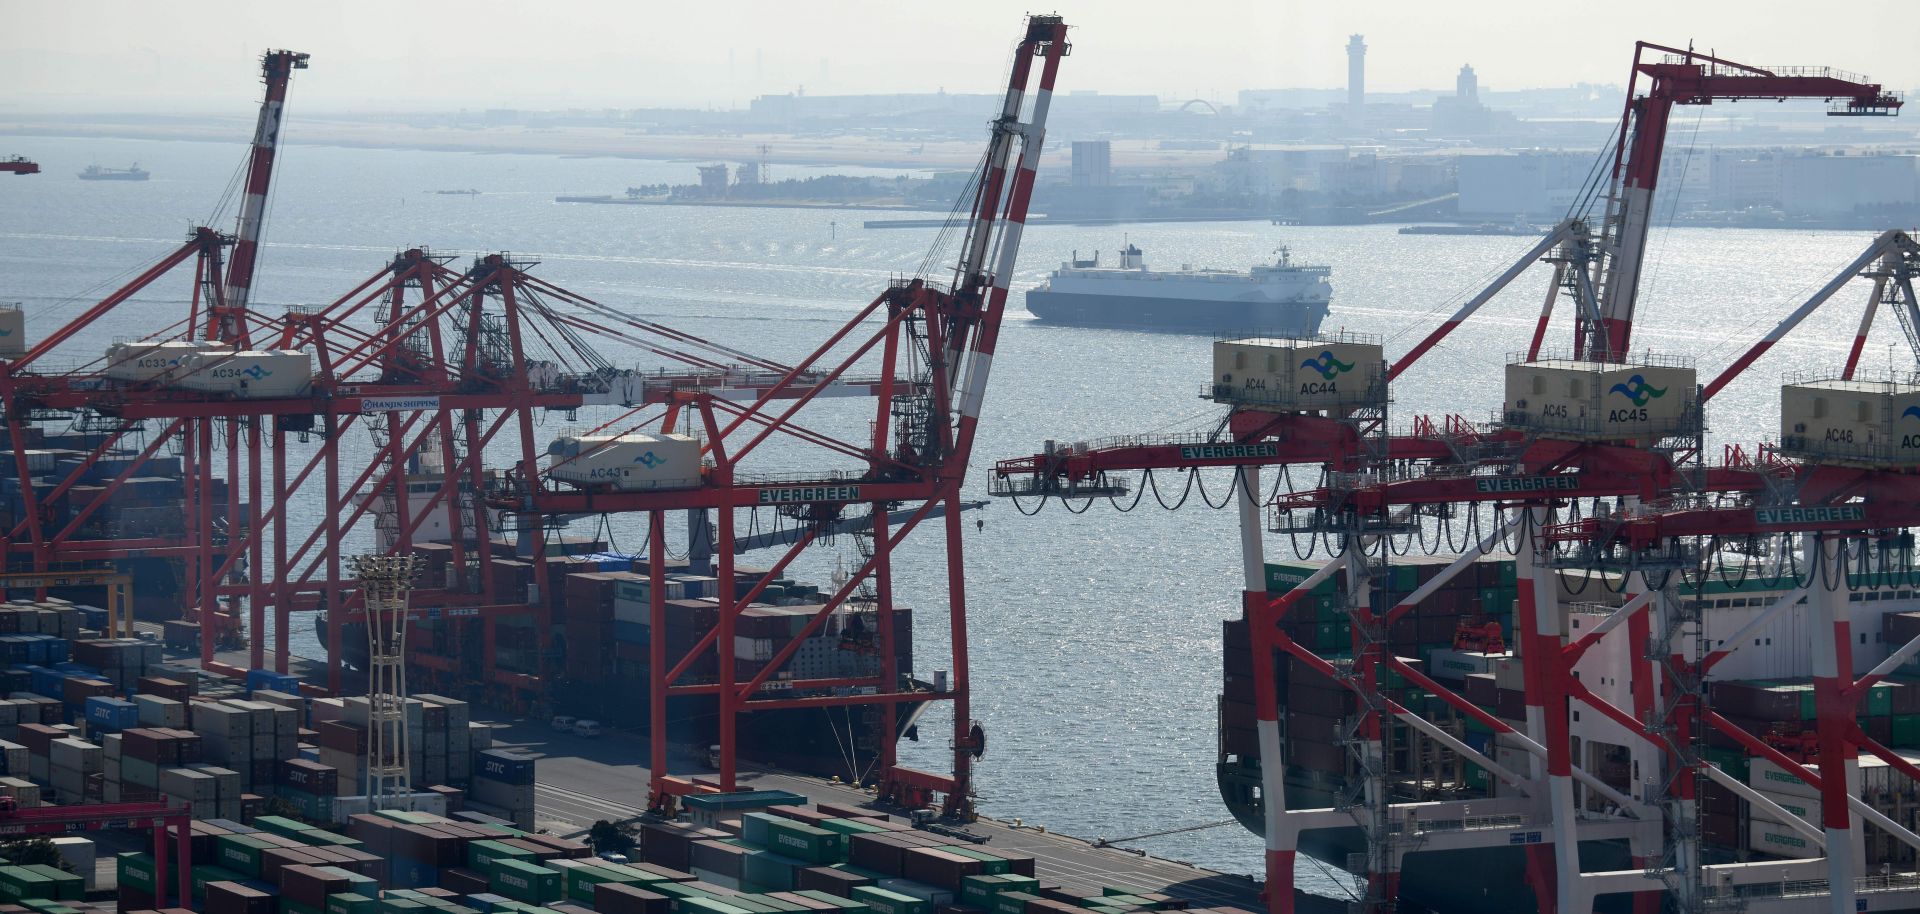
<point x="809" y="493"/>
<point x="1526" y="483"/>
<point x="1227" y="451"/>
<point x="1810" y="515"/>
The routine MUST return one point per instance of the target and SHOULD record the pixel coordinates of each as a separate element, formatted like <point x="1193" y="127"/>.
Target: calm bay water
<point x="1095" y="638"/>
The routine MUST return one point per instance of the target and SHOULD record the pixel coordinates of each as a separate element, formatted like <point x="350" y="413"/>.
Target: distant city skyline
<point x="121" y="55"/>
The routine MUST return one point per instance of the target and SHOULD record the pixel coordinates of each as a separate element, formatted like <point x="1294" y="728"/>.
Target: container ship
<point x="1283" y="297"/>
<point x="100" y="173"/>
<point x="1459" y="636"/>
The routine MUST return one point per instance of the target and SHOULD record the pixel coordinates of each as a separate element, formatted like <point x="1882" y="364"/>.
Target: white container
<point x="13" y="332"/>
<point x="1598" y="401"/>
<point x="1870" y="422"/>
<point x="1779" y="840"/>
<point x="252" y="374"/>
<point x="79" y="854"/>
<point x="1298" y="374"/>
<point x="633" y="462"/>
<point x="1445" y="663"/>
<point x="760" y="649"/>
<point x="146" y="360"/>
<point x="1806" y="808"/>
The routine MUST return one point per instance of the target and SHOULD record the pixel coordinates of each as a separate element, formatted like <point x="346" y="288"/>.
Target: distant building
<point x="1356" y="74"/>
<point x="1502" y="186"/>
<point x="1462" y="114"/>
<point x="713" y="180"/>
<point x="746" y="173"/>
<point x="1092" y="163"/>
<point x="1841" y="185"/>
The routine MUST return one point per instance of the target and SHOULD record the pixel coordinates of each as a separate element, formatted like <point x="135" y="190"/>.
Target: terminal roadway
<point x="585" y="780"/>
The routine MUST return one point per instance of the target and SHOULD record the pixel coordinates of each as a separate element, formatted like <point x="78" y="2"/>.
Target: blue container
<point x="505" y="766"/>
<point x="75" y="669"/>
<point x="14" y="648"/>
<point x="59" y="650"/>
<point x="630" y="632"/>
<point x="114" y="714"/>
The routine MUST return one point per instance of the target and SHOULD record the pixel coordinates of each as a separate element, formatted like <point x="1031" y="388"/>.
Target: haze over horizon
<point x="125" y="56"/>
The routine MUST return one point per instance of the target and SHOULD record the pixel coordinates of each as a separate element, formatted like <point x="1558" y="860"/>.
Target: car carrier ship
<point x="1282" y="297"/>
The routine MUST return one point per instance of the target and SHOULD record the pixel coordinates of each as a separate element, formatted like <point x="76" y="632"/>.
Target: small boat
<point x="20" y="166"/>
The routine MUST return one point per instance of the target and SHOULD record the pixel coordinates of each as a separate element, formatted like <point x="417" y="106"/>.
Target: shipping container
<point x="1299" y="374"/>
<point x="1585" y="400"/>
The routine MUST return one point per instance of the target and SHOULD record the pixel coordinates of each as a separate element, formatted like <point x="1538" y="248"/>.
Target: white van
<point x="588" y="729"/>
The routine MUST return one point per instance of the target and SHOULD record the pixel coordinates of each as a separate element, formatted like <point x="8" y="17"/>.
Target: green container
<point x="136" y="870"/>
<point x="280" y="825"/>
<point x="1011" y="902"/>
<point x="981" y="891"/>
<point x="1879" y="701"/>
<point x="526" y="882"/>
<point x="1331" y="636"/>
<point x="17" y="882"/>
<point x="992" y="866"/>
<point x="317" y="808"/>
<point x="1735" y="762"/>
<point x="67" y="886"/>
<point x="883" y="901"/>
<point x="1498" y="601"/>
<point x="676" y="890"/>
<point x="322" y="838"/>
<point x="778" y="905"/>
<point x="850" y="827"/>
<point x="1906" y="731"/>
<point x="203" y="874"/>
<point x="351" y="903"/>
<point x="798" y="839"/>
<point x="772" y="872"/>
<point x="403" y="906"/>
<point x="483" y="855"/>
<point x="240" y="853"/>
<point x="750" y="902"/>
<point x="707" y="906"/>
<point x="845" y="904"/>
<point x="1477" y="777"/>
<point x="581" y="880"/>
<point x="289" y="906"/>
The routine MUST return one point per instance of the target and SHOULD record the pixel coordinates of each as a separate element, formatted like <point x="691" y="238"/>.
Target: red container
<point x="567" y="848"/>
<point x="463" y="881"/>
<point x="163" y="687"/>
<point x="310" y="885"/>
<point x="234" y="898"/>
<point x="725" y="859"/>
<point x="940" y="868"/>
<point x="800" y="814"/>
<point x="831" y="881"/>
<point x="344" y="737"/>
<point x="275" y="861"/>
<point x="310" y="777"/>
<point x="620" y="898"/>
<point x="882" y="853"/>
<point x="373" y="831"/>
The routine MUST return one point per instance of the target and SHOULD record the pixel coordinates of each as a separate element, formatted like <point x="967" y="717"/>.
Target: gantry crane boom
<point x="1686" y="78"/>
<point x="227" y="318"/>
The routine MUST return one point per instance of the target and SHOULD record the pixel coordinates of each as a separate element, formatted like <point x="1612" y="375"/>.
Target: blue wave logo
<point x="650" y="460"/>
<point x="1638" y="390"/>
<point x="1913" y="411"/>
<point x="1328" y="366"/>
<point x="256" y="372"/>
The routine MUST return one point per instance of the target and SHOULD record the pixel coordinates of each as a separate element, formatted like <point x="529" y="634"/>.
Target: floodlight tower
<point x="385" y="582"/>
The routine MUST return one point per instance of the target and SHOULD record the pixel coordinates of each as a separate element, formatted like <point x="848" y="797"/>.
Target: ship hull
<point x="1181" y="315"/>
<point x="1448" y="882"/>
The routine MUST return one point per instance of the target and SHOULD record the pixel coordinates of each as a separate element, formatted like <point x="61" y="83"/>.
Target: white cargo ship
<point x="1281" y="298"/>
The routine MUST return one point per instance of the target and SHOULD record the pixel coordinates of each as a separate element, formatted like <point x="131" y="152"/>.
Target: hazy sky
<point x="162" y="57"/>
